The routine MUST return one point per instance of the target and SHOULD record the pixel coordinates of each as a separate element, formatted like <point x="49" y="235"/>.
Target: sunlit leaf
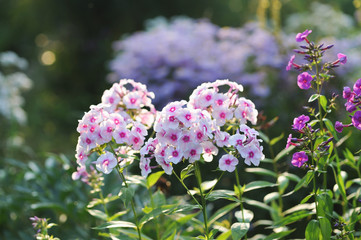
<point x="261" y="171"/>
<point x="239" y="230"/>
<point x="153" y="178"/>
<point x="312" y="230"/>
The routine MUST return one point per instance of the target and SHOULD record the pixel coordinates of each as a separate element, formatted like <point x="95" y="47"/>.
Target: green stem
<point x="319" y="86"/>
<point x="132" y="200"/>
<point x="155" y="217"/>
<point x="206" y="195"/>
<point x="132" y="203"/>
<point x="240" y="197"/>
<point x="204" y="210"/>
<point x="103" y="203"/>
<point x="189" y="193"/>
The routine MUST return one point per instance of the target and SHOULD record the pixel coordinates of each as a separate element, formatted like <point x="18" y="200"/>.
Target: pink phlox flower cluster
<point x="115" y="120"/>
<point x="193" y="130"/>
<point x="352" y="106"/>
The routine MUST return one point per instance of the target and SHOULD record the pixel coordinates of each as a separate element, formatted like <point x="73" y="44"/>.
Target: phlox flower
<point x="149" y="147"/>
<point x="136" y="141"/>
<point x="342" y="58"/>
<point x="81" y="155"/>
<point x="222" y="138"/>
<point x="304" y="80"/>
<point x="145" y="167"/>
<point x="106" y="162"/>
<point x="112" y="98"/>
<point x="237" y="141"/>
<point x="132" y="100"/>
<point x="299" y="158"/>
<point x="106" y="130"/>
<point x="338" y="126"/>
<point x="221" y="115"/>
<point x="121" y="135"/>
<point x="186" y="116"/>
<point x="208" y="151"/>
<point x="166" y="166"/>
<point x="300" y="122"/>
<point x="346" y="93"/>
<point x="290" y="63"/>
<point x="185" y="139"/>
<point x="193" y="152"/>
<point x="252" y="153"/>
<point x="172" y="136"/>
<point x="88" y="141"/>
<point x="80" y="173"/>
<point x="228" y="163"/>
<point x="220" y="101"/>
<point x="356" y="120"/>
<point x="117" y="119"/>
<point x="357" y="87"/>
<point x="303" y="36"/>
<point x="206" y="98"/>
<point x="139" y="129"/>
<point x="173" y="155"/>
<point x="246" y="111"/>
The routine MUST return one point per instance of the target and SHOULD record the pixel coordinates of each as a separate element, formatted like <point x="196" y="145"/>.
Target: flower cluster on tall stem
<point x="196" y="129"/>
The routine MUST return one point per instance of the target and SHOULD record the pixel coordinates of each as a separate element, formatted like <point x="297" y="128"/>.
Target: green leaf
<point x="283" y="183"/>
<point x="186" y="172"/>
<point x="116" y="215"/>
<point x="271" y="197"/>
<point x="221" y="194"/>
<point x="126" y="194"/>
<point x="221" y="212"/>
<point x="326" y="228"/>
<point x="262" y="171"/>
<point x="116" y="224"/>
<point x="153" y="178"/>
<point x="330" y="128"/>
<point x="225" y="235"/>
<point x="312" y="230"/>
<point x="313" y="97"/>
<point x="186" y="218"/>
<point x="247" y="214"/>
<point x="305" y="180"/>
<point x="256" y="204"/>
<point x="291" y="176"/>
<point x="293" y="218"/>
<point x="276" y="139"/>
<point x="239" y="230"/>
<point x="323" y="102"/>
<point x="98" y="214"/>
<point x="306" y="198"/>
<point x="324" y="205"/>
<point x="279" y="235"/>
<point x="208" y="185"/>
<point x="258" y="184"/>
<point x="283" y="153"/>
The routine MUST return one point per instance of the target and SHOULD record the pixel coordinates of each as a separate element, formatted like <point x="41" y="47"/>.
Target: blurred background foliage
<point x="68" y="46"/>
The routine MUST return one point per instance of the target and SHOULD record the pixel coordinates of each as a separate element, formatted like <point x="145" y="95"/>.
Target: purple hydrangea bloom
<point x="300" y="122"/>
<point x="342" y="58"/>
<point x="302" y="36"/>
<point x="299" y="158"/>
<point x="357" y="87"/>
<point x="356" y="120"/>
<point x="304" y="80"/>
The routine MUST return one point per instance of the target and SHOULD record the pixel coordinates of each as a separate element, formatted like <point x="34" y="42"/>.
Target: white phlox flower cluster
<point x="122" y="118"/>
<point x="196" y="129"/>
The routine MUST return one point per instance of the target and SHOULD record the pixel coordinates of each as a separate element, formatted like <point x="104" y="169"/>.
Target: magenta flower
<point x="304" y="80"/>
<point x="346" y="93"/>
<point x="290" y="63"/>
<point x="300" y="122"/>
<point x="338" y="126"/>
<point x="356" y="120"/>
<point x="228" y="163"/>
<point x="299" y="158"/>
<point x="342" y="58"/>
<point x="357" y="87"/>
<point x="303" y="36"/>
